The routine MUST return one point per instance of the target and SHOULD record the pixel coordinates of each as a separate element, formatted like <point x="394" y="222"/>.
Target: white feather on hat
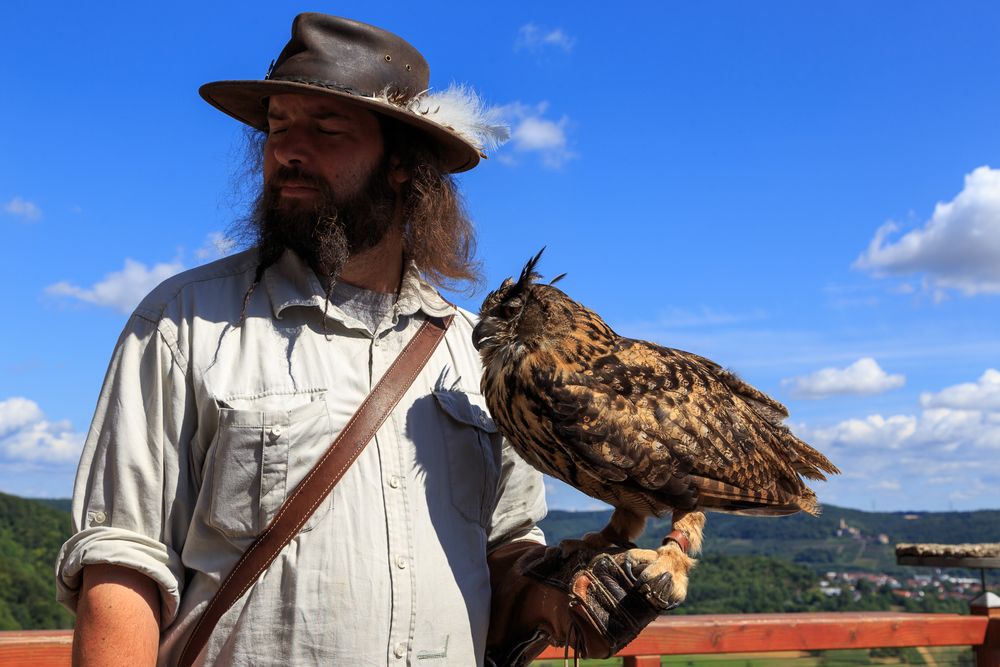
<point x="459" y="109"/>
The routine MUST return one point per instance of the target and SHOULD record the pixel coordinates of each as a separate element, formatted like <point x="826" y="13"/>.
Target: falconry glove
<point x="593" y="602"/>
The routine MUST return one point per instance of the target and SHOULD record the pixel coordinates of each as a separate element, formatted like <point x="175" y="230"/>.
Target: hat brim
<point x="245" y="101"/>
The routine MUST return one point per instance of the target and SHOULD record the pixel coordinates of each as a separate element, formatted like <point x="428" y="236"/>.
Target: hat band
<point x="322" y="84"/>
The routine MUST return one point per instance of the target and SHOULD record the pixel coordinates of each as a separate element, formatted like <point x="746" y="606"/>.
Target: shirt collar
<point x="415" y="294"/>
<point x="291" y="282"/>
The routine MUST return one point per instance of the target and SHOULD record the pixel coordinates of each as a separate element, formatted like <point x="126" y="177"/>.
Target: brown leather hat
<point x="368" y="66"/>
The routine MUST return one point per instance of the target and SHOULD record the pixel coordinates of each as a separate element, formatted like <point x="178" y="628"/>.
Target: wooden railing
<point x="753" y="633"/>
<point x="677" y="635"/>
<point x="37" y="648"/>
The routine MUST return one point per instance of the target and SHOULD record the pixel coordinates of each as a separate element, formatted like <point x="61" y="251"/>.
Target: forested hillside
<point x="30" y="536"/>
<point x="846" y="538"/>
<point x="750" y="564"/>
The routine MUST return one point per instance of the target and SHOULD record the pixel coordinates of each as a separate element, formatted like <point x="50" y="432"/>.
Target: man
<point x="230" y="380"/>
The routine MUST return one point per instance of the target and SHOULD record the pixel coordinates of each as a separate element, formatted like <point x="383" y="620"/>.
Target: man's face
<point x="327" y="190"/>
<point x="320" y="137"/>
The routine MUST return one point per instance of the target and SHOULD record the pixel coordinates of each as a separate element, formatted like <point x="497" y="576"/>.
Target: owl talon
<point x="667" y="560"/>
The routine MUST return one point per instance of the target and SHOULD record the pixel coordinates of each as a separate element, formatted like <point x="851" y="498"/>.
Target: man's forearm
<point x="597" y="602"/>
<point x="117" y="618"/>
<point x="525" y="615"/>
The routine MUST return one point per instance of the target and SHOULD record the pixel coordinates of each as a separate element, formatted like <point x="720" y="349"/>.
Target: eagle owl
<point x="644" y="428"/>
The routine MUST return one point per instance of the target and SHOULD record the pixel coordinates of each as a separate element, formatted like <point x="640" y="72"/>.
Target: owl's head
<point x="523" y="314"/>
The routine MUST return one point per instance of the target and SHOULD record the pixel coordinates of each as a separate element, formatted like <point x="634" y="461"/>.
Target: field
<point x="941" y="657"/>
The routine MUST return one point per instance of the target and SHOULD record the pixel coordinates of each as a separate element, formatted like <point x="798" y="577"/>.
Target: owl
<point x="644" y="428"/>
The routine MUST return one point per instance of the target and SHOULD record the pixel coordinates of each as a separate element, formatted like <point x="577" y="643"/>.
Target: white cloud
<point x="216" y="245"/>
<point x="984" y="394"/>
<point x="888" y="485"/>
<point x="973" y="490"/>
<point x="887" y="433"/>
<point x="531" y="132"/>
<point x="533" y="37"/>
<point x="124" y="289"/>
<point x="862" y="377"/>
<point x="24" y="209"/>
<point x="538" y="134"/>
<point x="702" y="316"/>
<point x="933" y="431"/>
<point x="25" y="434"/>
<point x="952" y="424"/>
<point x="121" y="290"/>
<point x="918" y="460"/>
<point x="948" y="451"/>
<point x="16" y="413"/>
<point x="957" y="249"/>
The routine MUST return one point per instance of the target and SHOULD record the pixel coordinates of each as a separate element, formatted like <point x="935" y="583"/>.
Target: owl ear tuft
<point x="528" y="273"/>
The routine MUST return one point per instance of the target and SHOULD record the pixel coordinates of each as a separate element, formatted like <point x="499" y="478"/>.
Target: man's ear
<point x="399" y="174"/>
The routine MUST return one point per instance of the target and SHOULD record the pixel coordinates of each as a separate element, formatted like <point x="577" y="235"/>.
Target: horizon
<point x="608" y="509"/>
<point x="808" y="195"/>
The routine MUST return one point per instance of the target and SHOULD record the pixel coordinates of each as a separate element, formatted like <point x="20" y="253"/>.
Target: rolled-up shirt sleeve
<point x="133" y="492"/>
<point x="520" y="501"/>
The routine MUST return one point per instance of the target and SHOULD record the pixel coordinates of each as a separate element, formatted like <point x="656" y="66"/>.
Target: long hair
<point x="439" y="236"/>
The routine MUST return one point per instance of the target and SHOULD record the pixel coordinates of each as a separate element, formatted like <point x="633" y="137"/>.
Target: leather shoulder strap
<point x="316" y="485"/>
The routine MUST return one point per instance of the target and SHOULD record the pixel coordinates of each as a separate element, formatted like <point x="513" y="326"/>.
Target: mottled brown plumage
<point x="647" y="429"/>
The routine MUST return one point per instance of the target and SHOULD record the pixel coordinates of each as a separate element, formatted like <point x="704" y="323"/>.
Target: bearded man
<point x="231" y="380"/>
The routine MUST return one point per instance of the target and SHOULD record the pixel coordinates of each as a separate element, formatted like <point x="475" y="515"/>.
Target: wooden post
<point x="988" y="653"/>
<point x="641" y="661"/>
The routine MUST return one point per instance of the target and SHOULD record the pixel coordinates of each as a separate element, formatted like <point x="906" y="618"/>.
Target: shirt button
<point x="394" y="481"/>
<point x="99" y="517"/>
<point x="400" y="562"/>
<point x="276" y="431"/>
<point x="400" y="650"/>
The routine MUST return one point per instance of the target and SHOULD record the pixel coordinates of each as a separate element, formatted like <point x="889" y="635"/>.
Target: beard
<point x="326" y="230"/>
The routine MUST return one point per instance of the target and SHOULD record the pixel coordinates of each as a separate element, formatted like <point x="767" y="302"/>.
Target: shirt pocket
<point x="472" y="442"/>
<point x="258" y="458"/>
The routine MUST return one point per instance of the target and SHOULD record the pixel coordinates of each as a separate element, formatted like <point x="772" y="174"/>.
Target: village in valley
<point x="936" y="583"/>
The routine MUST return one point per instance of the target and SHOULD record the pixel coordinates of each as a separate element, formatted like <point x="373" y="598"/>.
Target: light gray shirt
<point x="205" y="425"/>
<point x="366" y="306"/>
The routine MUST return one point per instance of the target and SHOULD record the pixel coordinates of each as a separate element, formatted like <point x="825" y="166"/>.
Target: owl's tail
<point x="717" y="496"/>
<point x="807" y="502"/>
<point x="806" y="460"/>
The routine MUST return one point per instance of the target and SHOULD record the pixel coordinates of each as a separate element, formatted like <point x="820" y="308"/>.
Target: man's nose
<point x="291" y="147"/>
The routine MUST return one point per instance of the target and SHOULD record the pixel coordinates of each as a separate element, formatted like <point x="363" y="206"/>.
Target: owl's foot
<point x="668" y="559"/>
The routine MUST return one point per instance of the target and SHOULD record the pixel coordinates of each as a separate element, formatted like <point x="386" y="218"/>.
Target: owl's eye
<point x="510" y="308"/>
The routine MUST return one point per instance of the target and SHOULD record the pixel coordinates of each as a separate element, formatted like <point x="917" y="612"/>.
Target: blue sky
<point x="808" y="193"/>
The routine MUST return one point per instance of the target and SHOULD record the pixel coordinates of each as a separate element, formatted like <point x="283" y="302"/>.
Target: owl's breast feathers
<point x="651" y="428"/>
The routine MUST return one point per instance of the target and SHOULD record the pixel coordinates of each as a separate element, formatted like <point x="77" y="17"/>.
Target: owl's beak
<point x="481" y="332"/>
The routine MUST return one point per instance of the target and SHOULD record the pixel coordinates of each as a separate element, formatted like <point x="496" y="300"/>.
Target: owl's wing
<point x="607" y="437"/>
<point x="668" y="369"/>
<point x="725" y="433"/>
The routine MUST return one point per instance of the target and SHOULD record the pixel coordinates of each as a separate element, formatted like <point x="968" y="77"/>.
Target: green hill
<point x="30" y="536"/>
<point x="774" y="564"/>
<point x="750" y="564"/>
<point x="842" y="538"/>
<point x="61" y="504"/>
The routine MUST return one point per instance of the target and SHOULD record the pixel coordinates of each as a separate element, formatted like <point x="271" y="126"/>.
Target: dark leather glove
<point x="593" y="602"/>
